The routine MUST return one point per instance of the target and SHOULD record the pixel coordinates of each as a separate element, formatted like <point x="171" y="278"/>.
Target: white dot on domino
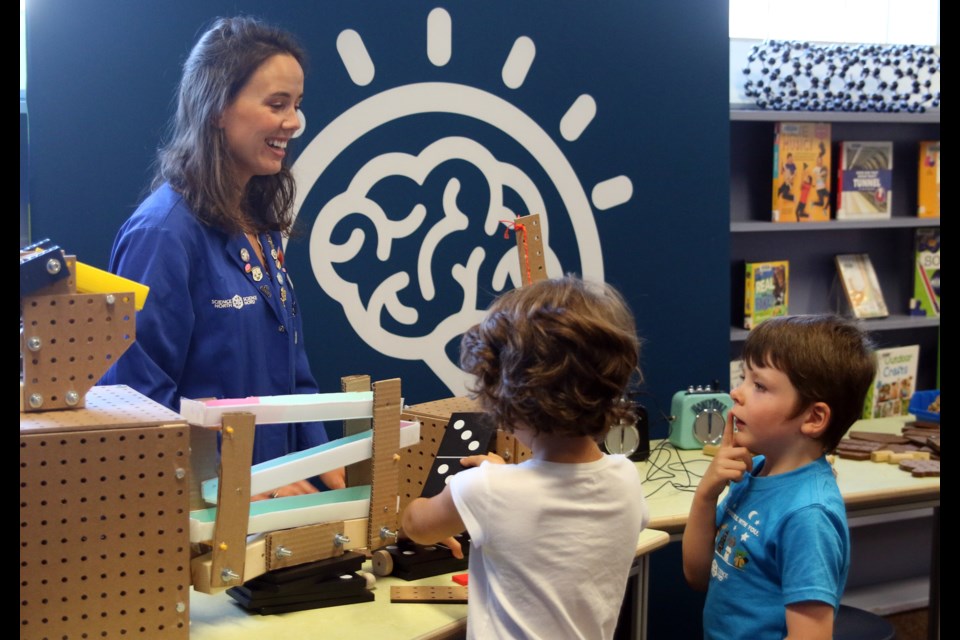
<point x="442" y="469"/>
<point x="466" y="435"/>
<point x="473" y="446"/>
<point x="459" y="424"/>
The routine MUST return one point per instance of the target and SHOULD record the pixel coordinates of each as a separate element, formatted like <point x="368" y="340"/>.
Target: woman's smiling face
<point x="262" y="118"/>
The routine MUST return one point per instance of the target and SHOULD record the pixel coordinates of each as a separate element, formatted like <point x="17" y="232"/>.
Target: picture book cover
<point x="861" y="286"/>
<point x="894" y="383"/>
<point x="864" y="180"/>
<point x="928" y="180"/>
<point x="801" y="172"/>
<point x="766" y="291"/>
<point x="736" y="373"/>
<point x="926" y="273"/>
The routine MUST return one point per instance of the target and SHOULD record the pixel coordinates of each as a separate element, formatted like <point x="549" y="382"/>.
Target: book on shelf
<point x="928" y="180"/>
<point x="861" y="286"/>
<point x="864" y="180"/>
<point x="894" y="382"/>
<point x="766" y="291"/>
<point x="926" y="273"/>
<point x="736" y="373"/>
<point x="801" y="172"/>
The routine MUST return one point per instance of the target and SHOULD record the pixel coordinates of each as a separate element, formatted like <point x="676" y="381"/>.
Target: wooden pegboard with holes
<point x="385" y="466"/>
<point x="429" y="594"/>
<point x="68" y="342"/>
<point x="510" y="449"/>
<point x="104" y="543"/>
<point x="291" y="547"/>
<point x="415" y="462"/>
<point x="529" y="234"/>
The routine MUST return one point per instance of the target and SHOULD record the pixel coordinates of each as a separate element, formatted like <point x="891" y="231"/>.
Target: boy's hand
<point x="728" y="465"/>
<point x="476" y="461"/>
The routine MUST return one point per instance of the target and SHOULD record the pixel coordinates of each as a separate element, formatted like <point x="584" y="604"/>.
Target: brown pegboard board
<point x="415" y="462"/>
<point x="290" y="547"/>
<point x="529" y="234"/>
<point x="385" y="467"/>
<point x="104" y="539"/>
<point x="68" y="342"/>
<point x="429" y="594"/>
<point x="229" y="547"/>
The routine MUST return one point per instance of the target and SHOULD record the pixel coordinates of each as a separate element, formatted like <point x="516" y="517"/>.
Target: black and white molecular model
<point x="787" y="75"/>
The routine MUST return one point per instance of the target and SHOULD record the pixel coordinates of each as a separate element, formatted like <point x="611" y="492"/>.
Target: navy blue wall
<point x="101" y="76"/>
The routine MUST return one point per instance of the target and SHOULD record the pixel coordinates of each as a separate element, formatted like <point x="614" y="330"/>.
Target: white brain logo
<point x="360" y="232"/>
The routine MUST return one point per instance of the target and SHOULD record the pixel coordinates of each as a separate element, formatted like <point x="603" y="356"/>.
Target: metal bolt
<point x="506" y="455"/>
<point x="72" y="398"/>
<point x="180" y="473"/>
<point x="36" y="401"/>
<point x="53" y="266"/>
<point x="111" y="299"/>
<point x="340" y="540"/>
<point x="385" y="533"/>
<point x="228" y="576"/>
<point x="34" y="343"/>
<point x="181" y="607"/>
<point x="283" y="552"/>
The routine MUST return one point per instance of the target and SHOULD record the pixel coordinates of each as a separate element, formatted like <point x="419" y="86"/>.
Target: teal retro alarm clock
<point x="698" y="416"/>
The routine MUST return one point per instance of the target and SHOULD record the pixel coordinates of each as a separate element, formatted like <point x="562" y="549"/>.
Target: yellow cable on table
<point x="93" y="280"/>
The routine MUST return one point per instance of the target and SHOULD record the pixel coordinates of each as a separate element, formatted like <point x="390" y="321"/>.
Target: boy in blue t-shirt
<point x="774" y="555"/>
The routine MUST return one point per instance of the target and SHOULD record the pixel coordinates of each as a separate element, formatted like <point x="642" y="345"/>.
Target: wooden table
<point x="219" y="617"/>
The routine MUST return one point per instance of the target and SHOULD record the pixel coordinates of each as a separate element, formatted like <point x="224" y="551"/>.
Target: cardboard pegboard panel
<point x="104" y="539"/>
<point x="233" y="499"/>
<point x="303" y="544"/>
<point x="385" y="467"/>
<point x="430" y="594"/>
<point x="529" y="234"/>
<point x="415" y="462"/>
<point x="510" y="449"/>
<point x="68" y="342"/>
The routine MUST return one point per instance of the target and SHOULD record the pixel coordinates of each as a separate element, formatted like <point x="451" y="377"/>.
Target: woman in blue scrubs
<point x="222" y="318"/>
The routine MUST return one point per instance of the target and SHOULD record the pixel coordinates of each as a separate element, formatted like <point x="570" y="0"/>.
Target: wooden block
<point x="880" y="455"/>
<point x="897" y="458"/>
<point x="858" y="445"/>
<point x="875" y="436"/>
<point x="921" y="468"/>
<point x="853" y="454"/>
<point x="435" y="595"/>
<point x="710" y="449"/>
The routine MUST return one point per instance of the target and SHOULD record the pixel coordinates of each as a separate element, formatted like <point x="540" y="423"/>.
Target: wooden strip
<point x="454" y="594"/>
<point x="255" y="562"/>
<point x="385" y="467"/>
<point x="304" y="544"/>
<point x="358" y="472"/>
<point x="533" y="267"/>
<point x="230" y="531"/>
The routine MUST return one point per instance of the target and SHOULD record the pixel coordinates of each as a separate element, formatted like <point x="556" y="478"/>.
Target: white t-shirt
<point x="551" y="545"/>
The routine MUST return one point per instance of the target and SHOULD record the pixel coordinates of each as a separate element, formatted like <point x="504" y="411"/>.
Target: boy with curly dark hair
<point x="552" y="538"/>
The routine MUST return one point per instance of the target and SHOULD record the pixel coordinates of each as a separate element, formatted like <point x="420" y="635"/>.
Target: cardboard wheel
<point x="382" y="563"/>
